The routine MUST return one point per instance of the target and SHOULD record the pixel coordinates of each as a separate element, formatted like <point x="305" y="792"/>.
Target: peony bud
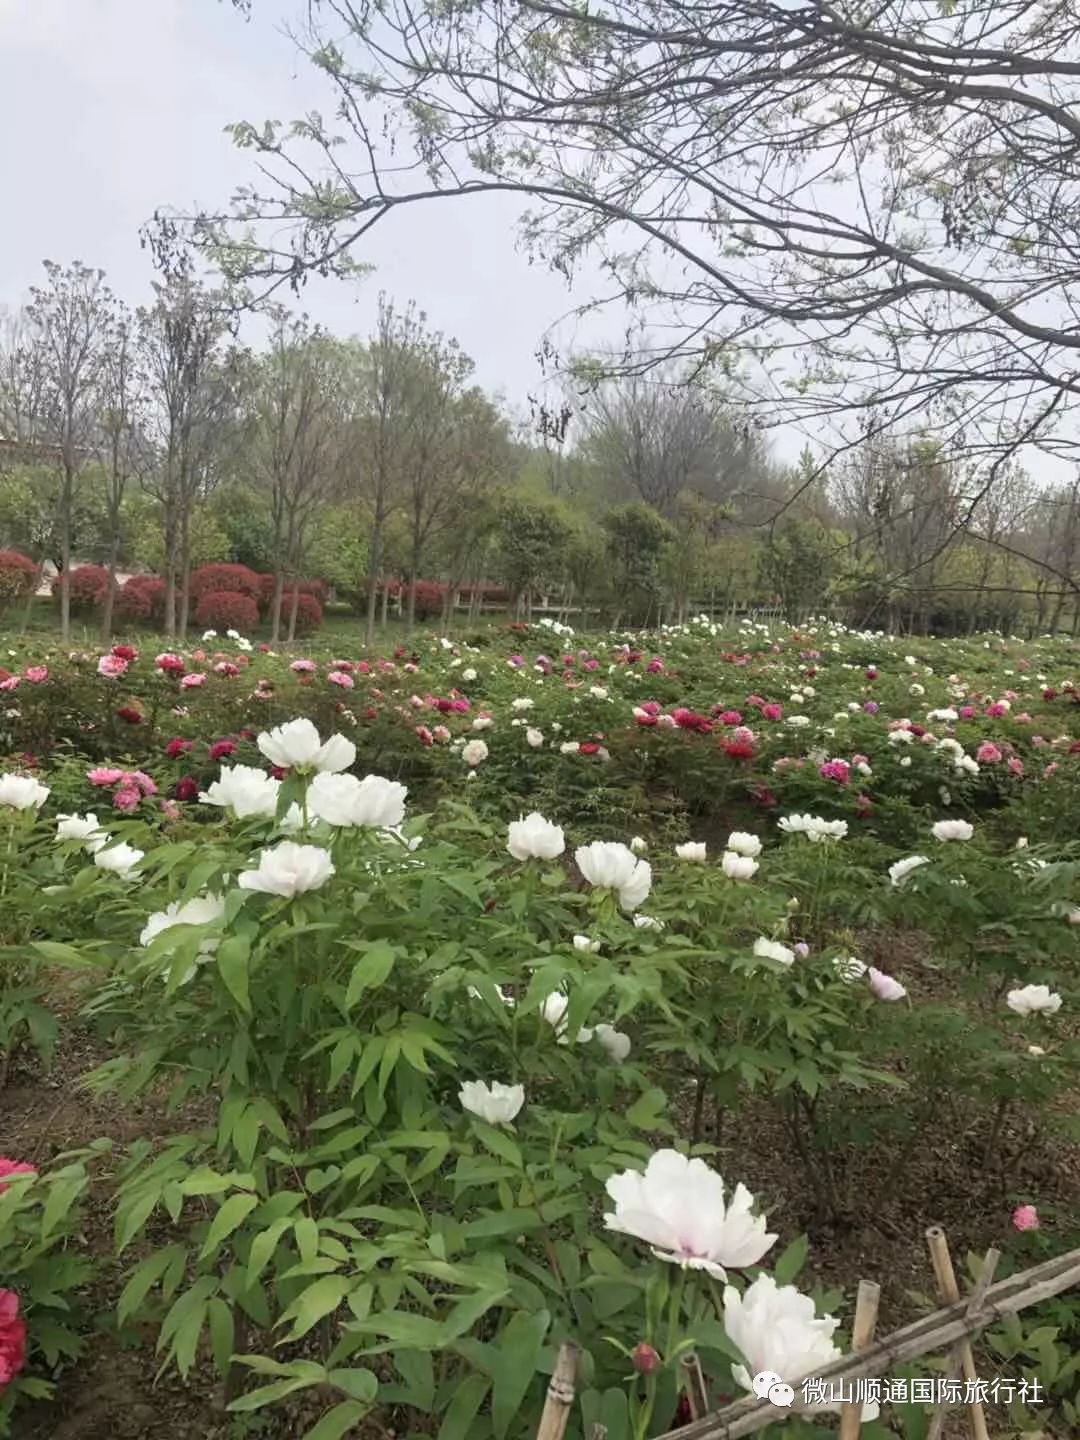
<point x="645" y="1359"/>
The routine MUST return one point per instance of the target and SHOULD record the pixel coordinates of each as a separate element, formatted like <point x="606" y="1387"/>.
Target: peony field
<point x="377" y="1022"/>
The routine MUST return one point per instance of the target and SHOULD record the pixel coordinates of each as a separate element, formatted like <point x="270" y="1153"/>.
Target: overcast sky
<point x="110" y="108"/>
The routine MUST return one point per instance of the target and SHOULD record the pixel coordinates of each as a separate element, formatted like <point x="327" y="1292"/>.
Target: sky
<point x="111" y="108"/>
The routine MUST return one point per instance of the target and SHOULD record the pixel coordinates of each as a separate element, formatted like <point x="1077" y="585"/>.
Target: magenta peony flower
<point x="772" y="711"/>
<point x="14" y="1167"/>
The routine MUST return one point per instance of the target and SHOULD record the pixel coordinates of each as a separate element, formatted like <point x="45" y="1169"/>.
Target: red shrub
<point x="88" y="586"/>
<point x="18" y="576"/>
<point x="429" y="597"/>
<point x="227" y="610"/>
<point x="141" y="598"/>
<point x="215" y="579"/>
<point x="309" y="613"/>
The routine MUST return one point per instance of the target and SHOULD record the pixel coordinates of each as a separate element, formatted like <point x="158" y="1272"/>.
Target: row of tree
<point x="154" y="439"/>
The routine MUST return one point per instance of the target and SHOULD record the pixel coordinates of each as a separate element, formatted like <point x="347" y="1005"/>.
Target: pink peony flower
<point x="170" y="810"/>
<point x="104" y="776"/>
<point x="1025" y="1217"/>
<point x="11" y="683"/>
<point x="170" y="663"/>
<point x="1015" y="766"/>
<point x="190" y="682"/>
<point x="988" y="753"/>
<point x="996" y="710"/>
<point x="772" y="712"/>
<point x="12" y="1338"/>
<point x="441" y="734"/>
<point x="142" y="780"/>
<point x="424" y="735"/>
<point x="303" y="667"/>
<point x="226" y="667"/>
<point x="37" y="674"/>
<point x="13" y="1167"/>
<point x="126" y="798"/>
<point x="340" y="677"/>
<point x="838" y="770"/>
<point x="112" y="666"/>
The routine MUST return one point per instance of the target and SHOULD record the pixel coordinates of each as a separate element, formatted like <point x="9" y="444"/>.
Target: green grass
<point x="341" y="627"/>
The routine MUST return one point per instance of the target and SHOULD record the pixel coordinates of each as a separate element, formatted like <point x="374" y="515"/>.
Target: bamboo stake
<point x="982" y="1284"/>
<point x="696" y="1392"/>
<point x="862" y="1332"/>
<point x="560" y="1395"/>
<point x="927" y="1336"/>
<point x="949" y="1292"/>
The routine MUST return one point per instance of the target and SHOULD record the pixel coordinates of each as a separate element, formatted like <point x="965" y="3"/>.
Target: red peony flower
<point x="12" y="1338"/>
<point x="125" y="652"/>
<point x="186" y="789"/>
<point x="175" y="748"/>
<point x="129" y="714"/>
<point x="589" y="748"/>
<point x="221" y="748"/>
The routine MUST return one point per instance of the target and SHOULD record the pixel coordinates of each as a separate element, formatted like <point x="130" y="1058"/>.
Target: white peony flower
<point x="814" y="827"/>
<point x="482" y="722"/>
<point x="1033" y="999"/>
<point x="344" y="800"/>
<point x="120" y="859"/>
<point x="884" y="986"/>
<point x="614" y="1042"/>
<point x="496" y="1104"/>
<point x="296" y="746"/>
<point x="901" y="869"/>
<point x="766" y="949"/>
<point x="953" y="830"/>
<point x="289" y="869"/>
<point x="848" y="967"/>
<point x="468" y="675"/>
<point x="777" y="1330"/>
<point x="598" y="692"/>
<point x="737" y="867"/>
<point x="647" y="922"/>
<point x="693" y="850"/>
<point x="535" y="837"/>
<point x="534" y="737"/>
<point x="744" y="843"/>
<point x="590" y="947"/>
<point x="474" y="752"/>
<point x="203" y="910"/>
<point x="22" y="792"/>
<point x="677" y="1207"/>
<point x="245" y="791"/>
<point x="638" y="845"/>
<point x="84" y="828"/>
<point x="610" y="865"/>
<point x="569" y="747"/>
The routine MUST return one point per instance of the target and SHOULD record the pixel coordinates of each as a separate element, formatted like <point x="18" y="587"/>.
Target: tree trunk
<point x="385" y="605"/>
<point x="374" y="561"/>
<point x="65" y="569"/>
<point x="294" y="606"/>
<point x="275" y="605"/>
<point x="110" y="593"/>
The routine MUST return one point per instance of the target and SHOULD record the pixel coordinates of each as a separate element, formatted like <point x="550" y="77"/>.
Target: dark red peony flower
<point x="221" y="748"/>
<point x="186" y="789"/>
<point x="130" y="715"/>
<point x="589" y="748"/>
<point x="125" y="652"/>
